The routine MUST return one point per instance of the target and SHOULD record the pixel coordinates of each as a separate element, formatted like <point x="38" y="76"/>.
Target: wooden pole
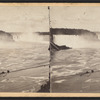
<point x="49" y="49"/>
<point x="51" y="35"/>
<point x="52" y="45"/>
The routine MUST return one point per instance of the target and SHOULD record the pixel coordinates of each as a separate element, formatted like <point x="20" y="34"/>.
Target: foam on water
<point x="76" y="41"/>
<point x="70" y="62"/>
<point x="59" y="81"/>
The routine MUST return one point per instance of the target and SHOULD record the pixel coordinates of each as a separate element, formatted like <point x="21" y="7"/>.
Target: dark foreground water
<point x="32" y="58"/>
<point x="76" y="71"/>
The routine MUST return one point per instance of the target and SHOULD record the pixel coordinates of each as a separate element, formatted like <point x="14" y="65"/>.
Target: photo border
<point x="13" y="94"/>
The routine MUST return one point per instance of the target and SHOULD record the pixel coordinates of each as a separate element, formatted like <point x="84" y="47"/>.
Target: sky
<point x="23" y="19"/>
<point x="81" y="17"/>
<point x="34" y="19"/>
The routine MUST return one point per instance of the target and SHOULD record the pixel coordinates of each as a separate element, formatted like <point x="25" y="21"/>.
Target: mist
<point x="76" y="38"/>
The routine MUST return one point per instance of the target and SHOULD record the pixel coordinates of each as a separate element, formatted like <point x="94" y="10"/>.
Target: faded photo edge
<point x="4" y="94"/>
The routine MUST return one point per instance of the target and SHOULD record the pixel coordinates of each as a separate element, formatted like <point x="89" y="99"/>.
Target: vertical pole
<point x="49" y="18"/>
<point x="49" y="27"/>
<point x="50" y="33"/>
<point x="50" y="48"/>
<point x="49" y="44"/>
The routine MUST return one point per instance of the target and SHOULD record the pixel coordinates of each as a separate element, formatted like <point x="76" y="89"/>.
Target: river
<point x="76" y="71"/>
<point x="27" y="64"/>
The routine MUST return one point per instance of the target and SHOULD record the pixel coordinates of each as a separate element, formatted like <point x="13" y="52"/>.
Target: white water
<point x="16" y="40"/>
<point x="77" y="41"/>
<point x="31" y="37"/>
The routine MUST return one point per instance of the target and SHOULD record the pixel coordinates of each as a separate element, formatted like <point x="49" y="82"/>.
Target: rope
<point x="87" y="72"/>
<point x="8" y="71"/>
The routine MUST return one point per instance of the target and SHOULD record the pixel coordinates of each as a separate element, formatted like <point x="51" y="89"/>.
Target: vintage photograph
<point x="75" y="41"/>
<point x="24" y="54"/>
<point x="49" y="49"/>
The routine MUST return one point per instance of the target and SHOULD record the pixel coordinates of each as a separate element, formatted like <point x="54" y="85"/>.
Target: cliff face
<point x="4" y="36"/>
<point x="44" y="36"/>
<point x="78" y="32"/>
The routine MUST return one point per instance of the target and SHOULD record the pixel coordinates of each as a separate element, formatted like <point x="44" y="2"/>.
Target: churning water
<point x="29" y="52"/>
<point x="68" y="66"/>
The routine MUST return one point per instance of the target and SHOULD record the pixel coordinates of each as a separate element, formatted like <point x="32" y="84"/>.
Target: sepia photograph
<point x="24" y="54"/>
<point x="49" y="50"/>
<point x="75" y="64"/>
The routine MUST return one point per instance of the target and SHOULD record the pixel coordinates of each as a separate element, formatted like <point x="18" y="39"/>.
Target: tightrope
<point x="8" y="71"/>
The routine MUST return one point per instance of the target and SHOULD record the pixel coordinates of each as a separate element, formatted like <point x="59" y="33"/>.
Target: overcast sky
<point x="76" y="17"/>
<point x="30" y="19"/>
<point x="24" y="19"/>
